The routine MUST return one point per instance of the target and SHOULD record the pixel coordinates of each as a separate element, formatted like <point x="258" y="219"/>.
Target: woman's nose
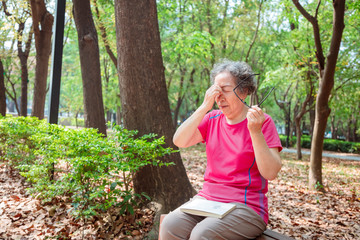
<point x="220" y="96"/>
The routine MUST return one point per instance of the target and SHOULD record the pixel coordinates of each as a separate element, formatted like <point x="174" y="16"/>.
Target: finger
<point x="250" y="116"/>
<point x="257" y="111"/>
<point x="253" y="112"/>
<point x="256" y="108"/>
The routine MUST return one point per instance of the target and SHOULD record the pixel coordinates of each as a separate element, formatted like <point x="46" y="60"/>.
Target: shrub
<point x="329" y="144"/>
<point x="15" y="143"/>
<point x="100" y="170"/>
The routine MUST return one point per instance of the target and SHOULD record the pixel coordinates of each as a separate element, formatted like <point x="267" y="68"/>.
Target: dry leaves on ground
<point x="24" y="217"/>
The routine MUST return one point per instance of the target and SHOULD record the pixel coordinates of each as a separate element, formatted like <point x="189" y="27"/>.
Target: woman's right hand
<point x="211" y="95"/>
<point x="188" y="133"/>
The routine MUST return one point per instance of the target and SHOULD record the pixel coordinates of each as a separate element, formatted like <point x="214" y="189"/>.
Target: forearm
<point x="187" y="134"/>
<point x="268" y="160"/>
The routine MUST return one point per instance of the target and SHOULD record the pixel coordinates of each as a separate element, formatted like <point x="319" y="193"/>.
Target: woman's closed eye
<point x="226" y="89"/>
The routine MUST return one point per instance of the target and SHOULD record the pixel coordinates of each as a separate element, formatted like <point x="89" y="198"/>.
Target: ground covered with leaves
<point x="294" y="210"/>
<point x="24" y="217"/>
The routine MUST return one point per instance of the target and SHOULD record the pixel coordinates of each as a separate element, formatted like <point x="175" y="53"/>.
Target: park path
<point x="343" y="156"/>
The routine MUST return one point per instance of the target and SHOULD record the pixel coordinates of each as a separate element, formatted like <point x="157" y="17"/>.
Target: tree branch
<point x="104" y="35"/>
<point x="4" y="7"/>
<point x="317" y="9"/>
<point x="316" y="30"/>
<point x="256" y="31"/>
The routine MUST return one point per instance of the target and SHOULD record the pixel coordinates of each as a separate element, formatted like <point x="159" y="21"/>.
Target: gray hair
<point x="241" y="71"/>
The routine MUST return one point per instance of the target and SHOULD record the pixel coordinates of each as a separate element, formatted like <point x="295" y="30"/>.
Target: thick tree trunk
<point x="90" y="66"/>
<point x="23" y="56"/>
<point x="118" y="116"/>
<point x="2" y="91"/>
<point x="42" y="25"/>
<point x="24" y="86"/>
<point x="145" y="105"/>
<point x="326" y="85"/>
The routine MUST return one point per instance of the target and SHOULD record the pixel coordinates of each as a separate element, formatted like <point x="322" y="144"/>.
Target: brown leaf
<point x="16" y="198"/>
<point x="135" y="233"/>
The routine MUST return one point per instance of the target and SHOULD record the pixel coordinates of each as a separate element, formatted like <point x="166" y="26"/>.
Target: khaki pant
<point x="241" y="223"/>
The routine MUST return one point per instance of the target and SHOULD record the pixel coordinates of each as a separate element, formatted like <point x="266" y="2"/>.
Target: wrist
<point x="256" y="133"/>
<point x="204" y="108"/>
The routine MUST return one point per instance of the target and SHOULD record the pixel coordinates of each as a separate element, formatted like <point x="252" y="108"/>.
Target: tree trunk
<point x="298" y="137"/>
<point x="301" y="114"/>
<point x="348" y="130"/>
<point x="42" y="25"/>
<point x="355" y="129"/>
<point x="2" y="91"/>
<point x="326" y="84"/>
<point x="118" y="116"/>
<point x="24" y="85"/>
<point x="145" y="105"/>
<point x="333" y="127"/>
<point x="90" y="66"/>
<point x="311" y="115"/>
<point x="180" y="98"/>
<point x="23" y="56"/>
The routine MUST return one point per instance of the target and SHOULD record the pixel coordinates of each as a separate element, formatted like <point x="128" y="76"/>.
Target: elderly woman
<point x="242" y="147"/>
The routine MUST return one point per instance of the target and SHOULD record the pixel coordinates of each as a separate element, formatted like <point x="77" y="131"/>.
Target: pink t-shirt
<point x="232" y="174"/>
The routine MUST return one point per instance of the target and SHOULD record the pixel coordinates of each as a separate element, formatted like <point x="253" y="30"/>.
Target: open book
<point x="207" y="208"/>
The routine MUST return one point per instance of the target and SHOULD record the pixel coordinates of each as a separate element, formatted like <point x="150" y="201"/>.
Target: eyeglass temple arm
<point x="241" y="99"/>
<point x="267" y="95"/>
<point x="239" y="85"/>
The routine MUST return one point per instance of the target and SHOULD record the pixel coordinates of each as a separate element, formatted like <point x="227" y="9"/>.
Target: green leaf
<point x="113" y="186"/>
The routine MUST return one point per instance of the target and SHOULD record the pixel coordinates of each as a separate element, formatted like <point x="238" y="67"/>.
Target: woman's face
<point x="227" y="101"/>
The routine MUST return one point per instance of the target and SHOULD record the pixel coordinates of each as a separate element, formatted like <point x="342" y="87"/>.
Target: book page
<point x="205" y="207"/>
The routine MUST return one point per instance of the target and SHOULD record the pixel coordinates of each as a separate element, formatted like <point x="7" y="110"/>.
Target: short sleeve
<point x="270" y="133"/>
<point x="203" y="126"/>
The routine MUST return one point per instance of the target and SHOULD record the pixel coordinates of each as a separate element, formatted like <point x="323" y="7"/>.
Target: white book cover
<point x="207" y="208"/>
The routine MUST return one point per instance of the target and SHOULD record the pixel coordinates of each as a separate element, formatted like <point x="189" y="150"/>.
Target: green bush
<point x="100" y="170"/>
<point x="71" y="121"/>
<point x="305" y="141"/>
<point x="15" y="143"/>
<point x="329" y="144"/>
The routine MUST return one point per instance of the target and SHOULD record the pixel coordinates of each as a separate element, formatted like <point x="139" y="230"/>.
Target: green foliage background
<point x="271" y="36"/>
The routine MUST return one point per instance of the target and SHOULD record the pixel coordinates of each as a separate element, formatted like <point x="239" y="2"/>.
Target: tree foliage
<point x="272" y="36"/>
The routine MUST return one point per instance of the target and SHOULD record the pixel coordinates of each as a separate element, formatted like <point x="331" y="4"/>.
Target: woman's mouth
<point x="223" y="106"/>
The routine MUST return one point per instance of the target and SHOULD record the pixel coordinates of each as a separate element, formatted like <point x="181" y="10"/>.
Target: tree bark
<point x="23" y="56"/>
<point x="90" y="66"/>
<point x="327" y="72"/>
<point x="312" y="115"/>
<point x="42" y="25"/>
<point x="333" y="128"/>
<point x="144" y="98"/>
<point x="2" y="90"/>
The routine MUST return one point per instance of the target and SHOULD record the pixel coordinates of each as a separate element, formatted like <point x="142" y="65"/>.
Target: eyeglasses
<point x="267" y="95"/>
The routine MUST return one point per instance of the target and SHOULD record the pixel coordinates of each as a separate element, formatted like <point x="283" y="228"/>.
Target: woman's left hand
<point x="256" y="118"/>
